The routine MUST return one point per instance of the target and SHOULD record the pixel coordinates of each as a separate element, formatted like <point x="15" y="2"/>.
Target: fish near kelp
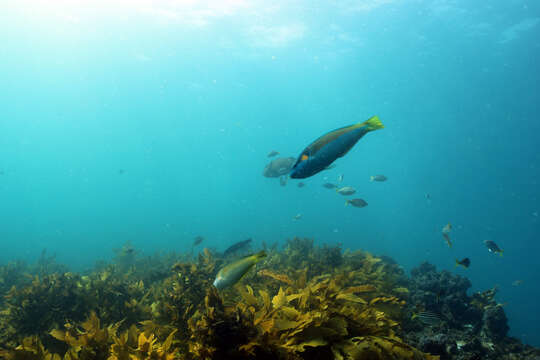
<point x="197" y="240"/>
<point x="236" y="247"/>
<point x="278" y="167"/>
<point x="427" y="318"/>
<point x="321" y="153"/>
<point x="232" y="273"/>
<point x="493" y="247"/>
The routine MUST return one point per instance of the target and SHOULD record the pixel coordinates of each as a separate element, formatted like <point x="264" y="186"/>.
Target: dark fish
<point x="360" y="203"/>
<point x="321" y="153"/>
<point x="329" y="186"/>
<point x="301" y="184"/>
<point x="492" y="247"/>
<point x="283" y="180"/>
<point x="197" y="240"/>
<point x="427" y="317"/>
<point x="273" y="153"/>
<point x="465" y="262"/>
<point x="234" y="248"/>
<point x="278" y="167"/>
<point x="121" y="171"/>
<point x="380" y="178"/>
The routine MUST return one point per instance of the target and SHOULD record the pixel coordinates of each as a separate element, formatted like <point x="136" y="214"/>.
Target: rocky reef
<point x="302" y="302"/>
<point x="470" y="327"/>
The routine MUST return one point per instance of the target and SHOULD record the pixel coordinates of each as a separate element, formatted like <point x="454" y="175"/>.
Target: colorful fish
<point x="321" y="153"/>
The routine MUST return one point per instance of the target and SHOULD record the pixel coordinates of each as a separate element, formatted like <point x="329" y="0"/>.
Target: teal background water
<point x="151" y="121"/>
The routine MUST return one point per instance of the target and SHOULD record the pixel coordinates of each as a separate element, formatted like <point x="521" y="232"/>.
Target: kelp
<point x="304" y="302"/>
<point x="322" y="318"/>
<point x="91" y="341"/>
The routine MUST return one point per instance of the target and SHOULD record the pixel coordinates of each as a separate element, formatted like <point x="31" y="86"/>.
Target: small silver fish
<point x="380" y="178"/>
<point x="329" y="185"/>
<point x="301" y="184"/>
<point x="297" y="217"/>
<point x="340" y="178"/>
<point x="283" y="180"/>
<point x="273" y="153"/>
<point x="346" y="190"/>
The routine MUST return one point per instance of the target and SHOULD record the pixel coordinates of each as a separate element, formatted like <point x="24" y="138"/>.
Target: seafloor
<point x="301" y="302"/>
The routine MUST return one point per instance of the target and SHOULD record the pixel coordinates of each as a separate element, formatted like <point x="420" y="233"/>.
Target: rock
<point x="494" y="323"/>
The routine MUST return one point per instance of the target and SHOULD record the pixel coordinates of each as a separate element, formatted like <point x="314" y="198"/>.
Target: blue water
<point x="152" y="122"/>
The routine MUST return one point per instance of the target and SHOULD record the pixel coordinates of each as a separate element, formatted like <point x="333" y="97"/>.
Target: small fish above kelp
<point x="493" y="248"/>
<point x="272" y="153"/>
<point x="197" y="240"/>
<point x="427" y="317"/>
<point x="322" y="152"/>
<point x="346" y="190"/>
<point x="232" y="273"/>
<point x="236" y="247"/>
<point x="329" y="185"/>
<point x="465" y="263"/>
<point x="300" y="184"/>
<point x="359" y="203"/>
<point x="379" y="178"/>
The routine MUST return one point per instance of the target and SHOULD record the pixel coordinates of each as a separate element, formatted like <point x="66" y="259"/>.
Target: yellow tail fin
<point x="259" y="256"/>
<point x="373" y="123"/>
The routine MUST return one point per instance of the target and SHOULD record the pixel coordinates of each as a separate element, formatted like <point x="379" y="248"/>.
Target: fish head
<point x="220" y="282"/>
<point x="303" y="166"/>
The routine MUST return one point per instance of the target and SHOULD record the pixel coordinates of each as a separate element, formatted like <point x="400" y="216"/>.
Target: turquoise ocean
<point x="151" y="121"/>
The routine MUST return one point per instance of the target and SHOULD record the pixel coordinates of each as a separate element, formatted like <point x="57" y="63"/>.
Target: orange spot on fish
<point x="304" y="157"/>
